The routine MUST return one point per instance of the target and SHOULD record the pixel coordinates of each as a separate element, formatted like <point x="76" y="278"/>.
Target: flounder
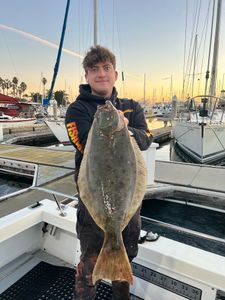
<point x="112" y="182"/>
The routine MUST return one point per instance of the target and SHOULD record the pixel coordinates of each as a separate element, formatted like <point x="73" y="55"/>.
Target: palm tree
<point x="14" y="85"/>
<point x="7" y="85"/>
<point x="22" y="88"/>
<point x="44" y="81"/>
<point x="1" y="82"/>
<point x="3" y="86"/>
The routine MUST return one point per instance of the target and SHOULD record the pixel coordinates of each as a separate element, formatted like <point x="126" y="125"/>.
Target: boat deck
<point x="55" y="279"/>
<point x="43" y="156"/>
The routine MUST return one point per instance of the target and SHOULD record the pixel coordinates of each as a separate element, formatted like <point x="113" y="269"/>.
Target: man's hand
<point x="126" y="121"/>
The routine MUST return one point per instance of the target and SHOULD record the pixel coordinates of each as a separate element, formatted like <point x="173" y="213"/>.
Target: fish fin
<point x="112" y="264"/>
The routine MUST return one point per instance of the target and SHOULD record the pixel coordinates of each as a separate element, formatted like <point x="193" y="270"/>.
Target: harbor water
<point x="165" y="151"/>
<point x="10" y="184"/>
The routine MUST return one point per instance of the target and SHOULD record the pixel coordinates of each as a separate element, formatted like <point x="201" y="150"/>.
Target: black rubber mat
<point x="49" y="282"/>
<point x="44" y="281"/>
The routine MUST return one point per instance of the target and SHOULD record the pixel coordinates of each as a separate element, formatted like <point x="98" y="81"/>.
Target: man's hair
<point x="96" y="55"/>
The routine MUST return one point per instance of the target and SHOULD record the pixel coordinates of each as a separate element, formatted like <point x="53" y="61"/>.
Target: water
<point x="165" y="151"/>
<point x="154" y="123"/>
<point x="199" y="219"/>
<point x="10" y="184"/>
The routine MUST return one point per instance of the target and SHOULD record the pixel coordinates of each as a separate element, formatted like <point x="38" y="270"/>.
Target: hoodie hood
<point x="86" y="95"/>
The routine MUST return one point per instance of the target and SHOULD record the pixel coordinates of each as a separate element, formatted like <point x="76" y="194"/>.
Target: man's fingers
<point x="126" y="121"/>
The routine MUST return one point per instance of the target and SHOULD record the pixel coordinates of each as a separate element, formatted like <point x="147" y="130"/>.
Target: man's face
<point x="101" y="78"/>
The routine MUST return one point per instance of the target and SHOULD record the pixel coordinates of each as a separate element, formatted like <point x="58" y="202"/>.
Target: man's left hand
<point x="126" y="121"/>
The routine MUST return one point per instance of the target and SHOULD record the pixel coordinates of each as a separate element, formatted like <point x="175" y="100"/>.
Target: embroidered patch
<point x="73" y="134"/>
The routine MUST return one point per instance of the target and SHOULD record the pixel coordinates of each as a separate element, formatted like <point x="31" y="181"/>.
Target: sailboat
<point x="201" y="133"/>
<point x="56" y="124"/>
<point x="57" y="127"/>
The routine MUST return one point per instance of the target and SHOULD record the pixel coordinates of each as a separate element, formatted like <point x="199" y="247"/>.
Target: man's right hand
<point x="126" y="121"/>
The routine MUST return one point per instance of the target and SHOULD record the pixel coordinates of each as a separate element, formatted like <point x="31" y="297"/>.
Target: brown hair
<point x="98" y="54"/>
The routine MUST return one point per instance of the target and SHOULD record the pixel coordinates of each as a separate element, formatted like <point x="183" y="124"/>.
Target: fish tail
<point x="112" y="263"/>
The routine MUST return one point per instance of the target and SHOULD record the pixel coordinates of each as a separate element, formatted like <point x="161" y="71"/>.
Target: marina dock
<point x="161" y="135"/>
<point x="40" y="133"/>
<point x="55" y="173"/>
<point x="28" y="135"/>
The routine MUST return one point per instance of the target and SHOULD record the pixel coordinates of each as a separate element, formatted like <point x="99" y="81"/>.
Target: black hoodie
<point x="80" y="115"/>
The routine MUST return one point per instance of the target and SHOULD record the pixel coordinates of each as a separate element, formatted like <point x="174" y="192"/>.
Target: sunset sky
<point x="147" y="37"/>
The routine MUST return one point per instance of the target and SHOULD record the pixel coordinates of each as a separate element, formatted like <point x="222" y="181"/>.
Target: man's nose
<point x="101" y="72"/>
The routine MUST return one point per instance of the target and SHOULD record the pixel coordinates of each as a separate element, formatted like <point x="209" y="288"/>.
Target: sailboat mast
<point x="194" y="64"/>
<point x="216" y="50"/>
<point x="144" y="87"/>
<point x="59" y="51"/>
<point x="95" y="22"/>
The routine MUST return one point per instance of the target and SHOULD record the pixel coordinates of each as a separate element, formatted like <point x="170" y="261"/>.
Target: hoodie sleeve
<point x="139" y="128"/>
<point x="78" y="123"/>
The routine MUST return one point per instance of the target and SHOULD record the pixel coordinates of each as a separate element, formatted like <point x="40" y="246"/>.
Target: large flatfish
<point x="112" y="183"/>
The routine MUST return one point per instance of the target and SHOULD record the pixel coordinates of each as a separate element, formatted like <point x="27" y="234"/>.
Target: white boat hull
<point x="59" y="130"/>
<point x="17" y="122"/>
<point x="203" y="143"/>
<point x="164" y="269"/>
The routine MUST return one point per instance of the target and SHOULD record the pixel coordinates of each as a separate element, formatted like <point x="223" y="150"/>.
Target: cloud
<point x="39" y="40"/>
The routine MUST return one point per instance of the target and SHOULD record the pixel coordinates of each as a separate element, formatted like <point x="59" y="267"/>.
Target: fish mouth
<point x="108" y="106"/>
<point x="107" y="116"/>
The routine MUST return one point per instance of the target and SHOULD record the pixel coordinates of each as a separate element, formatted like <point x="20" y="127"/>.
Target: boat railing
<point x="29" y="170"/>
<point x="62" y="204"/>
<point x="184" y="230"/>
<point x="18" y="168"/>
<point x="208" y="108"/>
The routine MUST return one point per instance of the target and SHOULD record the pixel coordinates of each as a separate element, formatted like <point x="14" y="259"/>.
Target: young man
<point x="100" y="73"/>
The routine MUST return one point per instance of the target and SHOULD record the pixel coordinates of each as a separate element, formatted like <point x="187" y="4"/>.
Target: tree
<point x="59" y="97"/>
<point x="36" y="97"/>
<point x="14" y="85"/>
<point x="22" y="88"/>
<point x="3" y="85"/>
<point x="8" y="85"/>
<point x="44" y="81"/>
<point x="1" y="82"/>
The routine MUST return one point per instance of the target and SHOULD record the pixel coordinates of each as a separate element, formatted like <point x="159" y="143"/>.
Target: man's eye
<point x="107" y="68"/>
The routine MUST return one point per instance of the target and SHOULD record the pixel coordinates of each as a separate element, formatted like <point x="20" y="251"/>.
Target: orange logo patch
<point x="73" y="134"/>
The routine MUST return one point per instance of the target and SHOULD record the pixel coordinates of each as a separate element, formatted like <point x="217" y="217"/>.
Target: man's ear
<point x="116" y="75"/>
<point x="86" y="77"/>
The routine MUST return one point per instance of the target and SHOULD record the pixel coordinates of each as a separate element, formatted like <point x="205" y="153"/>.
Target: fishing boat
<point x="8" y="122"/>
<point x="39" y="248"/>
<point x="200" y="133"/>
<point x="15" y="108"/>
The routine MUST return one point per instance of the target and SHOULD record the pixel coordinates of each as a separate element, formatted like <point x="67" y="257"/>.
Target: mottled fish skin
<point x="112" y="183"/>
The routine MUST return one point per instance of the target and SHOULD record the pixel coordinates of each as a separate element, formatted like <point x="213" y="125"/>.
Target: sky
<point x="147" y="37"/>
